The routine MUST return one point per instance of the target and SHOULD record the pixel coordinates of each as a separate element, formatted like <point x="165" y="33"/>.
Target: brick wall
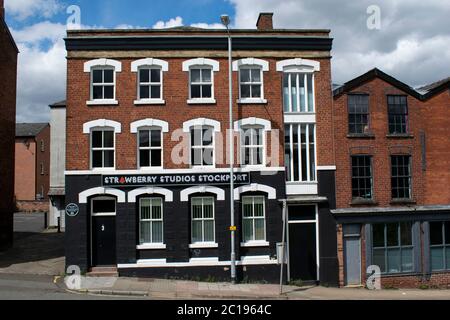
<point x="43" y="180"/>
<point x="25" y="169"/>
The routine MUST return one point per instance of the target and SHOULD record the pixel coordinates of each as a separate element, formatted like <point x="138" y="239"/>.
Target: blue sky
<point x="412" y="43"/>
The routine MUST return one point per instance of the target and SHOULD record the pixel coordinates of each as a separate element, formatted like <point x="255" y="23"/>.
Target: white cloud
<point x="208" y="26"/>
<point x="174" y="22"/>
<point x="22" y="9"/>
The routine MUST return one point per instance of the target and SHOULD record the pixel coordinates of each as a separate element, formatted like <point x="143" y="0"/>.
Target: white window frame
<point x="204" y="243"/>
<point x="201" y="63"/>
<point x="149" y="84"/>
<point x="201" y="83"/>
<point x="139" y="148"/>
<point x="305" y="79"/>
<point x="212" y="146"/>
<point x="255" y="242"/>
<point x="149" y="63"/>
<point x="251" y="63"/>
<point x="91" y="149"/>
<point x="102" y="64"/>
<point x="252" y="146"/>
<point x="151" y="220"/>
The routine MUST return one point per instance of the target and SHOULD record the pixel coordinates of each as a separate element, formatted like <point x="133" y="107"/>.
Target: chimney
<point x="264" y="21"/>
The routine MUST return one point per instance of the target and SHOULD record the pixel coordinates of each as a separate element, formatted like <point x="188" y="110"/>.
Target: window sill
<point x="400" y="136"/>
<point x="102" y="102"/>
<point x="149" y="102"/>
<point x="361" y="136"/>
<point x="151" y="246"/>
<point x="252" y="101"/>
<point x="150" y="169"/>
<point x="356" y="202"/>
<point x="403" y="201"/>
<point x="255" y="244"/>
<point x="102" y="169"/>
<point x="203" y="245"/>
<point x="201" y="101"/>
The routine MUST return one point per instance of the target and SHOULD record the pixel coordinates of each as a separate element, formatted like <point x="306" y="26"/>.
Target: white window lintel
<point x="201" y="62"/>
<point x="102" y="123"/>
<point x="184" y="194"/>
<point x="254" y="187"/>
<point x="252" y="121"/>
<point x="298" y="65"/>
<point x="251" y="62"/>
<point x="132" y="195"/>
<point x="134" y="126"/>
<point x="102" y="62"/>
<point x="135" y="65"/>
<point x="201" y="122"/>
<point x="82" y="196"/>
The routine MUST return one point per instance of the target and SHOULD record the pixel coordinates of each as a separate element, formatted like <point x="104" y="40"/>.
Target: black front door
<point x="103" y="240"/>
<point x="302" y="251"/>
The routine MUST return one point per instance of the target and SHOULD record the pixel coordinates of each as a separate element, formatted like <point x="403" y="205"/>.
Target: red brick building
<point x="134" y="95"/>
<point x="32" y="166"/>
<point x="392" y="178"/>
<point x="8" y="80"/>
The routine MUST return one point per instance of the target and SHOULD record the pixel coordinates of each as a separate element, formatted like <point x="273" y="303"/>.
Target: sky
<point x="408" y="39"/>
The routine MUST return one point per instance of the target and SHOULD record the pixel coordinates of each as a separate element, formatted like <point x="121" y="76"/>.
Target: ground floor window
<point x="440" y="245"/>
<point x="202" y="209"/>
<point x="151" y="220"/>
<point x="392" y="247"/>
<point x="253" y="218"/>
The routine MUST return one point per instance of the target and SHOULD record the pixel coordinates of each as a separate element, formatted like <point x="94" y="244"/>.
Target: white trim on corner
<point x="174" y="171"/>
<point x="82" y="196"/>
<point x="88" y="65"/>
<point x="134" y="126"/>
<point x="164" y="65"/>
<point x="272" y="192"/>
<point x="185" y="193"/>
<point x="251" y="122"/>
<point x="101" y="123"/>
<point x="298" y="65"/>
<point x="187" y="125"/>
<point x="326" y="168"/>
<point x="168" y="194"/>
<point x="151" y="246"/>
<point x="203" y="245"/>
<point x="251" y="62"/>
<point x="200" y="62"/>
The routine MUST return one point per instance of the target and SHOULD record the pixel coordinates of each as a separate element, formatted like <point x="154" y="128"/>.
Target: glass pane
<point x="195" y="75"/>
<point x="302" y="93"/>
<point x="196" y="209"/>
<point x="209" y="230"/>
<point x="144" y="76"/>
<point x="156" y="209"/>
<point x="97" y="139"/>
<point x="286" y="92"/>
<point x="393" y="257"/>
<point x="208" y="211"/>
<point x="155" y="138"/>
<point x="310" y="93"/>
<point x="259" y="208"/>
<point x="447" y="258"/>
<point x="144" y="138"/>
<point x="208" y="136"/>
<point x="256" y="75"/>
<point x="157" y="232"/>
<point x="437" y="258"/>
<point x="206" y="91"/>
<point x="109" y="158"/>
<point x="312" y="156"/>
<point x="245" y="75"/>
<point x="97" y="159"/>
<point x="108" y="76"/>
<point x="196" y="231"/>
<point x="447" y="232"/>
<point x="247" y="209"/>
<point x="247" y="229"/>
<point x="245" y="91"/>
<point x="206" y="75"/>
<point x="145" y="209"/>
<point x="145" y="232"/>
<point x="378" y="235"/>
<point x="144" y="92"/>
<point x="155" y="156"/>
<point x="97" y="76"/>
<point x="144" y="158"/>
<point x="195" y="91"/>
<point x="406" y="237"/>
<point x="108" y="92"/>
<point x="436" y="233"/>
<point x="196" y="157"/>
<point x="294" y="93"/>
<point x="103" y="206"/>
<point x="208" y="154"/>
<point x="155" y="75"/>
<point x="379" y="259"/>
<point x="407" y="260"/>
<point x="155" y="92"/>
<point x="256" y="91"/>
<point x="97" y="92"/>
<point x="392" y="234"/>
<point x="259" y="229"/>
<point x="108" y="139"/>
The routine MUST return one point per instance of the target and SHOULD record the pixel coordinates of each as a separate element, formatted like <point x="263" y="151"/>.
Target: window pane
<point x="247" y="207"/>
<point x="196" y="231"/>
<point x="247" y="230"/>
<point x="447" y="258"/>
<point x="196" y="157"/>
<point x="155" y="75"/>
<point x="108" y="92"/>
<point x="392" y="234"/>
<point x="407" y="260"/>
<point x="108" y="139"/>
<point x="256" y="91"/>
<point x="103" y="206"/>
<point x="144" y="75"/>
<point x="393" y="260"/>
<point x="144" y="158"/>
<point x="406" y="236"/>
<point x="259" y="229"/>
<point x="256" y="75"/>
<point x="436" y="233"/>
<point x="97" y="92"/>
<point x="97" y="159"/>
<point x="379" y="259"/>
<point x="97" y="139"/>
<point x="155" y="158"/>
<point x="208" y="134"/>
<point x="144" y="140"/>
<point x="310" y="93"/>
<point x="145" y="209"/>
<point x="145" y="232"/>
<point x="206" y="75"/>
<point x="447" y="233"/>
<point x="378" y="234"/>
<point x="156" y="138"/>
<point x="208" y="154"/>
<point x="245" y="91"/>
<point x="437" y="258"/>
<point x="157" y="232"/>
<point x="195" y="75"/>
<point x="108" y="76"/>
<point x="245" y="75"/>
<point x="286" y="97"/>
<point x="144" y="92"/>
<point x="97" y="76"/>
<point x="109" y="158"/>
<point x="302" y="92"/>
<point x="195" y="91"/>
<point x="156" y="209"/>
<point x="155" y="92"/>
<point x="206" y="91"/>
<point x="209" y="231"/>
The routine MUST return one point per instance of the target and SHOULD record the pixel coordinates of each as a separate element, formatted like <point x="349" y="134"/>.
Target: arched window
<point x="103" y="81"/>
<point x="149" y="80"/>
<point x="251" y="79"/>
<point x="201" y="79"/>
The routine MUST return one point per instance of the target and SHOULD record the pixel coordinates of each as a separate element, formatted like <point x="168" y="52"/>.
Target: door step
<point x="103" y="272"/>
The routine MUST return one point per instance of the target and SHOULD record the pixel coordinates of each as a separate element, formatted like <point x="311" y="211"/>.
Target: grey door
<point x="352" y="251"/>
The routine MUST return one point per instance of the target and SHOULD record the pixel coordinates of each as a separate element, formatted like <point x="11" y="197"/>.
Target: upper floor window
<point x="150" y="80"/>
<point x="362" y="177"/>
<point x="358" y="113"/>
<point x="251" y="79"/>
<point x="150" y="148"/>
<point x="398" y="114"/>
<point x="252" y="146"/>
<point x="201" y="79"/>
<point x="42" y="146"/>
<point x="440" y="245"/>
<point x="300" y="160"/>
<point x="103" y="80"/>
<point x="298" y="92"/>
<point x="401" y="177"/>
<point x="202" y="146"/>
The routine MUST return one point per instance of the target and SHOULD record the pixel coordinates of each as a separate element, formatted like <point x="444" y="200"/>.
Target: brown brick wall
<point x="43" y="180"/>
<point x="176" y="110"/>
<point x="8" y="79"/>
<point x="25" y="169"/>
